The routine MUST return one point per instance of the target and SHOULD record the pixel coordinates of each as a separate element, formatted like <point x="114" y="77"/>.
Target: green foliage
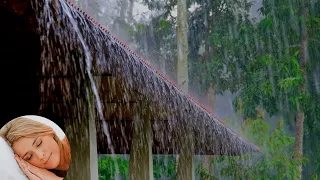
<point x="274" y="162"/>
<point x="107" y="169"/>
<point x="205" y="174"/>
<point x="156" y="42"/>
<point x="163" y="167"/>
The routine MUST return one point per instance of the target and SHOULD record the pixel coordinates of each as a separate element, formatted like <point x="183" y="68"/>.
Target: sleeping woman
<point x="41" y="148"/>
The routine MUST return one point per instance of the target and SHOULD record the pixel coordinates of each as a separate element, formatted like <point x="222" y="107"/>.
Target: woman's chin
<point x="52" y="163"/>
<point x="50" y="166"/>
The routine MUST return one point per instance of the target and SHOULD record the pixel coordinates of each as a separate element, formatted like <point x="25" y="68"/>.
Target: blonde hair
<point x="23" y="127"/>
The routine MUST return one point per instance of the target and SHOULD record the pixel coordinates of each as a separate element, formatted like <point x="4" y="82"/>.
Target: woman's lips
<point x="48" y="158"/>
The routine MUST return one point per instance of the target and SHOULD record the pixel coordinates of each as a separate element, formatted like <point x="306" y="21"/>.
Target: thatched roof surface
<point x="126" y="84"/>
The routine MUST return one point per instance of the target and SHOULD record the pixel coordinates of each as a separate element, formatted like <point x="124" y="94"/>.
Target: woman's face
<point x="41" y="151"/>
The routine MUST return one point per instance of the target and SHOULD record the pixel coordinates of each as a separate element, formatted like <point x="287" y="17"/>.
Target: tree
<point x="182" y="45"/>
<point x="263" y="62"/>
<point x="273" y="163"/>
<point x="185" y="164"/>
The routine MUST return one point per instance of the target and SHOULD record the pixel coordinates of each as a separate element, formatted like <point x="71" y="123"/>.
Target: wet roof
<point x="126" y="84"/>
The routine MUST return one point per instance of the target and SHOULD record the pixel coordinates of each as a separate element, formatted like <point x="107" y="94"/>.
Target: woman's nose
<point x="40" y="154"/>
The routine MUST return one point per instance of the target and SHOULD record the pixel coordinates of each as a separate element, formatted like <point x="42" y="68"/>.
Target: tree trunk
<point x="207" y="159"/>
<point x="182" y="41"/>
<point x="300" y="114"/>
<point x="212" y="98"/>
<point x="185" y="162"/>
<point x="130" y="12"/>
<point x="123" y="10"/>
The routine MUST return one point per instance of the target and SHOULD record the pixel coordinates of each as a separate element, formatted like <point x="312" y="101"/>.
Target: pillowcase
<point x="9" y="168"/>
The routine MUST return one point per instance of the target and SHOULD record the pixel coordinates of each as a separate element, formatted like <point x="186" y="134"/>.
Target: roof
<point x="126" y="83"/>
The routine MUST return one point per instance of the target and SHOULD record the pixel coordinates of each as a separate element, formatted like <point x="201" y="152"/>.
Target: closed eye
<point x="30" y="157"/>
<point x="39" y="144"/>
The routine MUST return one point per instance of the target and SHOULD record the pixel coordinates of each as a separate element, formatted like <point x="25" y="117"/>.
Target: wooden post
<point x="81" y="132"/>
<point x="140" y="165"/>
<point x="94" y="174"/>
<point x="185" y="163"/>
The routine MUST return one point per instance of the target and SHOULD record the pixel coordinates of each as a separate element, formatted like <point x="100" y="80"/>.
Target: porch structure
<point x="53" y="69"/>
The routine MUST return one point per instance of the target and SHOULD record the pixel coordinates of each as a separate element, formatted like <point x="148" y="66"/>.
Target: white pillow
<point x="9" y="168"/>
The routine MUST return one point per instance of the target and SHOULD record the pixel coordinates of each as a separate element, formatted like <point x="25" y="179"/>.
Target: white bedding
<point x="9" y="168"/>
